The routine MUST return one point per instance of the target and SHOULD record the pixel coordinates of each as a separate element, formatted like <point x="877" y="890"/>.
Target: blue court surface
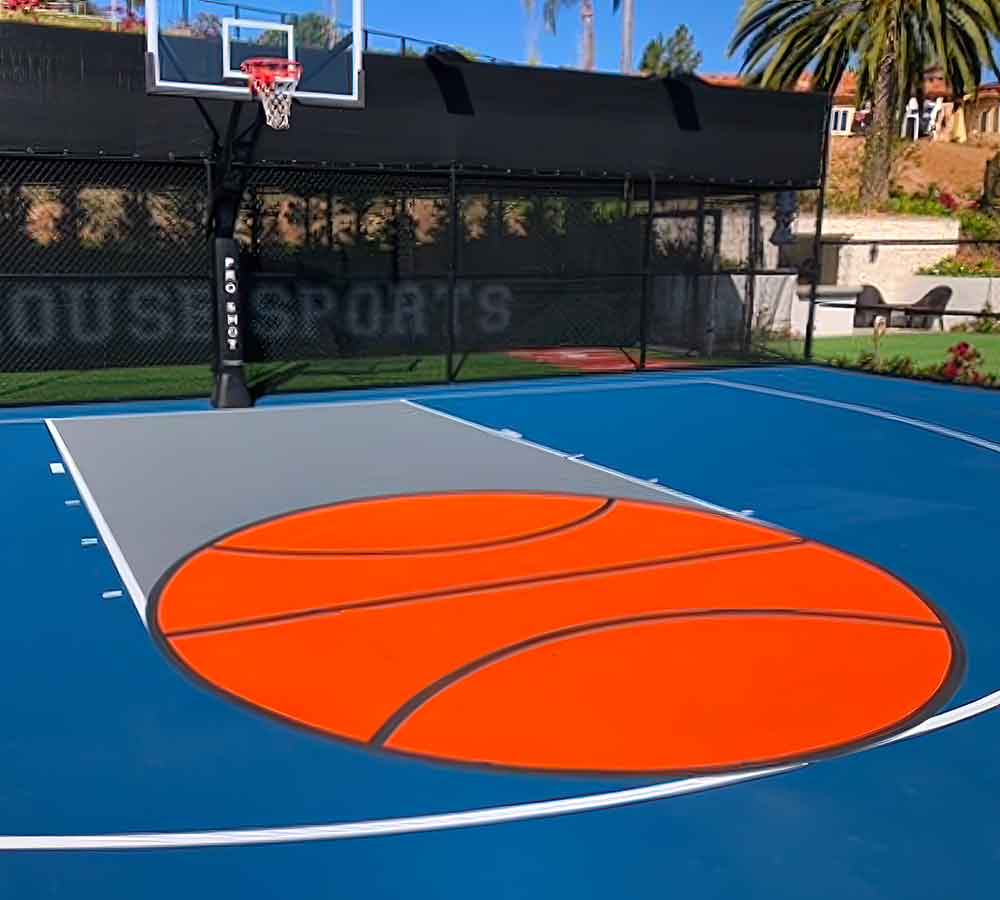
<point x="125" y="777"/>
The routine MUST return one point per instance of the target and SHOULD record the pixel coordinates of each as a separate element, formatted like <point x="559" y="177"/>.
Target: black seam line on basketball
<point x="393" y="723"/>
<point x="484" y="587"/>
<point x="598" y="513"/>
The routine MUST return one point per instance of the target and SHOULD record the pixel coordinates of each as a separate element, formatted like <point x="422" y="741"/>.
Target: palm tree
<point x="628" y="31"/>
<point x="892" y="43"/>
<point x="530" y="7"/>
<point x="550" y="11"/>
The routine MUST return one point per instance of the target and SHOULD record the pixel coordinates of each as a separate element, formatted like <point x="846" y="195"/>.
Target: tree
<point x="628" y="31"/>
<point x="653" y="60"/>
<point x="530" y="10"/>
<point x="674" y="56"/>
<point x="207" y="25"/>
<point x="310" y="30"/>
<point x="550" y="11"/>
<point x="315" y="30"/>
<point x="891" y="42"/>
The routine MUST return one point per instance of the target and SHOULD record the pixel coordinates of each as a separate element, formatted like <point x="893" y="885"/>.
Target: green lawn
<point x="76" y="386"/>
<point x="923" y="349"/>
<point x="196" y="381"/>
<point x="104" y="384"/>
<point x="334" y="374"/>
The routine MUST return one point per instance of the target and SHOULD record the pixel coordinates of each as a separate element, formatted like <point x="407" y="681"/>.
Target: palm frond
<point x="550" y="12"/>
<point x="781" y="39"/>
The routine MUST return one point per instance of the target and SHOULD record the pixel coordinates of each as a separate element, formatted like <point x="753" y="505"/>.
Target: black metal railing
<point x="374" y="40"/>
<point x="948" y="298"/>
<point x="873" y="306"/>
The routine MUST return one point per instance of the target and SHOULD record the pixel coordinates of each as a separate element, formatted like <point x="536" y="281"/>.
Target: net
<point x="273" y="82"/>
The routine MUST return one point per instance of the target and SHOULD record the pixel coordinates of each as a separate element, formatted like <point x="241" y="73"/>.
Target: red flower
<point x="962" y="349"/>
<point x="950" y="371"/>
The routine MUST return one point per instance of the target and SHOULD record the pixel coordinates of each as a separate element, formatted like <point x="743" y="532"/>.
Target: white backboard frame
<point x="156" y="84"/>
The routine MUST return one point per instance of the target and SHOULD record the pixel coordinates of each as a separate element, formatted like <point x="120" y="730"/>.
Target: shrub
<point x="961" y="366"/>
<point x="918" y="206"/>
<point x="950" y="202"/>
<point x="25" y="7"/>
<point x="133" y="21"/>
<point x="979" y="226"/>
<point x="952" y="267"/>
<point x="900" y="365"/>
<point x="986" y="325"/>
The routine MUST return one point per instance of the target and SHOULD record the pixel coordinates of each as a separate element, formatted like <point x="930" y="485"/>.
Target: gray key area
<point x="169" y="484"/>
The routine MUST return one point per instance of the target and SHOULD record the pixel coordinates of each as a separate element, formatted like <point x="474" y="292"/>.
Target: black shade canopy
<point x="66" y="90"/>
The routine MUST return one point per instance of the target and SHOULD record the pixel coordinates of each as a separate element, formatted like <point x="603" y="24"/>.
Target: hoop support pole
<point x="229" y="175"/>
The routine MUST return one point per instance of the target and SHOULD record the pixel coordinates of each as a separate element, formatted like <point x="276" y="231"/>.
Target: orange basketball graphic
<point x="557" y="632"/>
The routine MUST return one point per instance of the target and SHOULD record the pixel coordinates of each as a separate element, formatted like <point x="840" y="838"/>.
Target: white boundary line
<point x="380" y="827"/>
<point x="864" y="410"/>
<point x="110" y="542"/>
<point x="495" y="815"/>
<point x="621" y="383"/>
<point x="225" y="412"/>
<point x="288" y="403"/>
<point x="499" y="814"/>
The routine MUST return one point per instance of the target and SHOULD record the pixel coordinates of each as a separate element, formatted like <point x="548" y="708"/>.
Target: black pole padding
<point x="231" y="390"/>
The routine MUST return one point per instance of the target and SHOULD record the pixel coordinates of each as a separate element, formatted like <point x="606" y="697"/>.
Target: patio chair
<point x="928" y="308"/>
<point x="871" y="296"/>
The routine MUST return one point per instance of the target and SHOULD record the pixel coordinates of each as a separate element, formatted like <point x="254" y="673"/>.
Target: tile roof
<point x="847" y="91"/>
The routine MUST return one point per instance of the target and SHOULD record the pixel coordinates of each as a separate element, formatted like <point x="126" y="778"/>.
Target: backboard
<point x="195" y="47"/>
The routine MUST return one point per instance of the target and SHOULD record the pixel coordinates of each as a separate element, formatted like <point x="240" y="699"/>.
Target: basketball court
<point x="505" y="640"/>
<point x="698" y="630"/>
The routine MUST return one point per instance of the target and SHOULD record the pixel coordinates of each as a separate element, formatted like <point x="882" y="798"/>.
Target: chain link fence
<point x="103" y="269"/>
<point x="362" y="277"/>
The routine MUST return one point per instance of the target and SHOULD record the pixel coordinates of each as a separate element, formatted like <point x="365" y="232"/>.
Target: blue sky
<point x="499" y="28"/>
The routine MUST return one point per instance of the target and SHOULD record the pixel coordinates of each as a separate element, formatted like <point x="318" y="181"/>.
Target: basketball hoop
<point x="273" y="82"/>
